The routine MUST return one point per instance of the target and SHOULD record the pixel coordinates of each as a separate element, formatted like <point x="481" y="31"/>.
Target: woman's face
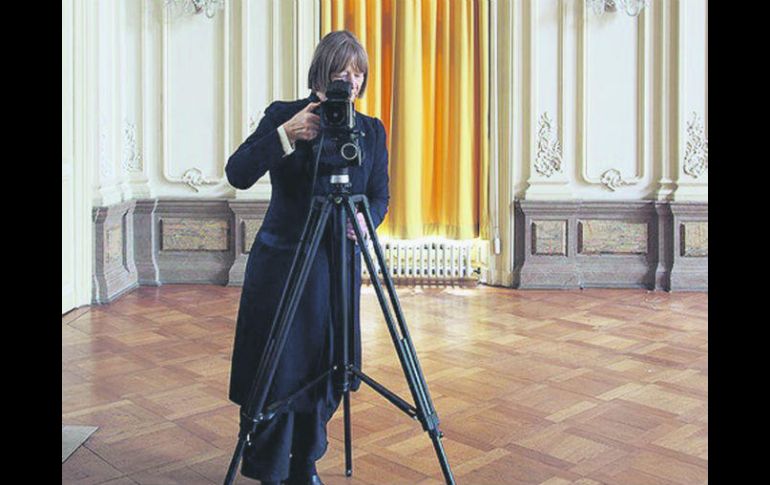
<point x="353" y="76"/>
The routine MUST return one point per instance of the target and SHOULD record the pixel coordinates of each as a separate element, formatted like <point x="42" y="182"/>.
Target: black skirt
<point x="312" y="347"/>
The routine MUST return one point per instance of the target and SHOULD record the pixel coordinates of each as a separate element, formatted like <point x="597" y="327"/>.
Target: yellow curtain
<point x="428" y="83"/>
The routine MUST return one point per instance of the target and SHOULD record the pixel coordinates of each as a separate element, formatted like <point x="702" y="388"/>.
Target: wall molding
<point x="642" y="102"/>
<point x="189" y="177"/>
<point x="665" y="186"/>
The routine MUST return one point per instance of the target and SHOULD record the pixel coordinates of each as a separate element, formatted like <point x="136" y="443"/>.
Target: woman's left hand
<point x="361" y="224"/>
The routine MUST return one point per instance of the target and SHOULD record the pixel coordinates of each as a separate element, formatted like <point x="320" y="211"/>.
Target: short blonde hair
<point x="333" y="54"/>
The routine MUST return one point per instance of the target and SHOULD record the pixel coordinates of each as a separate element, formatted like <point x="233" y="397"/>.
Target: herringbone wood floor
<point x="540" y="387"/>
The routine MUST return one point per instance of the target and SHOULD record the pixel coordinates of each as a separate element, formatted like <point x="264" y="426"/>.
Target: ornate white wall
<point x="606" y="97"/>
<point x="583" y="107"/>
<point x="176" y="95"/>
<point x="598" y="107"/>
<point x="591" y="107"/>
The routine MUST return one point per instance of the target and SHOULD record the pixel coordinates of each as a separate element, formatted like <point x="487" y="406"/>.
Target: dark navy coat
<point x="311" y="345"/>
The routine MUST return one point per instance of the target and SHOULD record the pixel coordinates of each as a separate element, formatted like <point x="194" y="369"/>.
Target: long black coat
<point x="307" y="349"/>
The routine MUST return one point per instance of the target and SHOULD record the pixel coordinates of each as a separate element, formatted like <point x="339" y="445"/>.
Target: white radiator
<point x="426" y="260"/>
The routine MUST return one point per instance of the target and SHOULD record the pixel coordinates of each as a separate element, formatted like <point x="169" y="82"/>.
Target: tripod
<point x="338" y="204"/>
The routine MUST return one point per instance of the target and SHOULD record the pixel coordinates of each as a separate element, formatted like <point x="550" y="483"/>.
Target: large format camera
<point x="338" y="122"/>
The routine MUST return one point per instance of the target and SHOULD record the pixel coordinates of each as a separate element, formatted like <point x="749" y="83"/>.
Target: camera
<point x="338" y="122"/>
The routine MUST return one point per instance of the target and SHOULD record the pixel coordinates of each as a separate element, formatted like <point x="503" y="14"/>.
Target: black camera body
<point x="337" y="115"/>
<point x="338" y="122"/>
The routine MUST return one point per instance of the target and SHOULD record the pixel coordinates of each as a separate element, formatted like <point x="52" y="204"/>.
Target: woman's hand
<point x="304" y="125"/>
<point x="361" y="224"/>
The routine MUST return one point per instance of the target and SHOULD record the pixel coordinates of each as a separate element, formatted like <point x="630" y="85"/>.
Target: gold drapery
<point x="428" y="83"/>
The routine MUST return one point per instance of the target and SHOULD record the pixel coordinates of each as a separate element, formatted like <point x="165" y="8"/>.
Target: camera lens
<point x="335" y="114"/>
<point x="349" y="151"/>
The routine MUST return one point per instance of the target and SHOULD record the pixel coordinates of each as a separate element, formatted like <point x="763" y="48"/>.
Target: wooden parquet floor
<point x="532" y="387"/>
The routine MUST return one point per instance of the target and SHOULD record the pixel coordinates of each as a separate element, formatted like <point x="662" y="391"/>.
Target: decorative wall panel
<point x="114" y="246"/>
<point x="549" y="237"/>
<point x="194" y="235"/>
<point x="695" y="239"/>
<point x="194" y="240"/>
<point x="250" y="228"/>
<point x="612" y="237"/>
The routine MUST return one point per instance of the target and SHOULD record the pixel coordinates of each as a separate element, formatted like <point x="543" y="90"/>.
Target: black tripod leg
<point x="279" y="331"/>
<point x="344" y="320"/>
<point x="348" y="440"/>
<point x="405" y="350"/>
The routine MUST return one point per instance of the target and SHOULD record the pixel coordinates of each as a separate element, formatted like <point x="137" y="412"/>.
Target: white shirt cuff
<point x="287" y="148"/>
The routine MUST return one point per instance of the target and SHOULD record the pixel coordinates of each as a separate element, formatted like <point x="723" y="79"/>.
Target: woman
<point x="287" y="447"/>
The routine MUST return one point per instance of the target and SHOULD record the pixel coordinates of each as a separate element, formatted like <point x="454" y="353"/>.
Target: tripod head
<point x="340" y="181"/>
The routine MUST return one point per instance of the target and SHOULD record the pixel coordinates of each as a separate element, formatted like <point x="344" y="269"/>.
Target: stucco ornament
<point x="548" y="148"/>
<point x="696" y="155"/>
<point x="194" y="178"/>
<point x="613" y="180"/>
<point x="132" y="159"/>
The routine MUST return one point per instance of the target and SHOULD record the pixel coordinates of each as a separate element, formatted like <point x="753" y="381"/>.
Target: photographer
<point x="285" y="144"/>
